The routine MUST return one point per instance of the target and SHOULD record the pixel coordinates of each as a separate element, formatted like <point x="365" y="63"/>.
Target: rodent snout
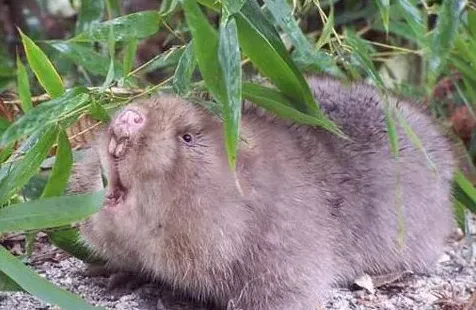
<point x="125" y="126"/>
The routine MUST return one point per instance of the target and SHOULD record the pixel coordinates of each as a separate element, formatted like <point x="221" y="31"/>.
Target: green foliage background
<point x="220" y="48"/>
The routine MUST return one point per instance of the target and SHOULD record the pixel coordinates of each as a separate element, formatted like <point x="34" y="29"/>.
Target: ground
<point x="452" y="286"/>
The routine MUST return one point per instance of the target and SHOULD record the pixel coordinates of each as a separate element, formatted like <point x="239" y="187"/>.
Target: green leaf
<point x="184" y="70"/>
<point x="305" y="56"/>
<point x="168" y="6"/>
<point x="231" y="7"/>
<point x="90" y="14"/>
<point x="443" y="36"/>
<point x="465" y="191"/>
<point x="112" y="51"/>
<point x="60" y="174"/>
<point x="45" y="114"/>
<point x="85" y="56"/>
<point x="42" y="67"/>
<point x="229" y="58"/>
<point x="129" y="27"/>
<point x="4" y="123"/>
<point x="168" y="58"/>
<point x="205" y="45"/>
<point x="69" y="239"/>
<point x="17" y="173"/>
<point x="129" y="55"/>
<point x="33" y="283"/>
<point x="327" y="30"/>
<point x="23" y="86"/>
<point x="277" y="103"/>
<point x="50" y="212"/>
<point x="260" y="42"/>
<point x="362" y="51"/>
<point x="413" y="16"/>
<point x="391" y="128"/>
<point x="459" y="214"/>
<point x="384" y="8"/>
<point x="7" y="284"/>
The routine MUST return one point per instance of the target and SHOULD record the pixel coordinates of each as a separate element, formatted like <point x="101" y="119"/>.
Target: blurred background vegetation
<point x="66" y="66"/>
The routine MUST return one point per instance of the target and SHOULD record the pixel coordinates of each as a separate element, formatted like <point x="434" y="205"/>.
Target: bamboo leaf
<point x="60" y="174"/>
<point x="277" y="103"/>
<point x="260" y="42"/>
<point x="442" y="40"/>
<point x="129" y="55"/>
<point x="384" y="8"/>
<point x="229" y="58"/>
<point x="31" y="282"/>
<point x="16" y="174"/>
<point x="7" y="284"/>
<point x="327" y="30"/>
<point x="306" y="55"/>
<point x="45" y="114"/>
<point x="361" y="52"/>
<point x="42" y="67"/>
<point x="129" y="27"/>
<point x="205" y="45"/>
<point x="90" y="15"/>
<point x="49" y="212"/>
<point x="85" y="56"/>
<point x="184" y="70"/>
<point x="414" y="19"/>
<point x="23" y="86"/>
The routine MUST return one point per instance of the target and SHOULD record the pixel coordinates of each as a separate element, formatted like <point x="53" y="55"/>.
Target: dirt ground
<point x="452" y="286"/>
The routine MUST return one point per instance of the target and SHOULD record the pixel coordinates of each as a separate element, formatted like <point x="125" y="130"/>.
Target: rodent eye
<point x="187" y="138"/>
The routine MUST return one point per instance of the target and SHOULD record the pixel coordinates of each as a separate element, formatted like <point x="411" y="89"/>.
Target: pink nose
<point x="125" y="127"/>
<point x="127" y="123"/>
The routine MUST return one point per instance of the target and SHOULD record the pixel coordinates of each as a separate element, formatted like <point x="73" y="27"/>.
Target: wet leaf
<point x="23" y="86"/>
<point x="45" y="114"/>
<point x="90" y="14"/>
<point x="184" y="70"/>
<point x="129" y="27"/>
<point x="42" y="67"/>
<point x="229" y="58"/>
<point x="33" y="283"/>
<point x="60" y="174"/>
<point x="50" y="212"/>
<point x="17" y="173"/>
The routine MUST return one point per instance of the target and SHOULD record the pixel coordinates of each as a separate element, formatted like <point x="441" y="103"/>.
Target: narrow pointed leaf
<point x="306" y="55"/>
<point x="277" y="103"/>
<point x="90" y="14"/>
<point x="42" y="67"/>
<point x="129" y="55"/>
<point x="7" y="284"/>
<point x="443" y="36"/>
<point x="184" y="70"/>
<point x="362" y="52"/>
<point x="45" y="114"/>
<point x="23" y="86"/>
<point x="327" y="30"/>
<point x="261" y="43"/>
<point x="49" y="212"/>
<point x="129" y="27"/>
<point x="85" y="56"/>
<point x="414" y="18"/>
<point x="16" y="174"/>
<point x="33" y="283"/>
<point x="384" y="8"/>
<point x="229" y="59"/>
<point x="60" y="174"/>
<point x="205" y="45"/>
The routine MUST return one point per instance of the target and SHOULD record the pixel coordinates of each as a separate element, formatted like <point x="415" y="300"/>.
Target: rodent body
<point x="313" y="210"/>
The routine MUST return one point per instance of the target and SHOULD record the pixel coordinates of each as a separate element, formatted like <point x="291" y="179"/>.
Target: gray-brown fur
<point x="314" y="210"/>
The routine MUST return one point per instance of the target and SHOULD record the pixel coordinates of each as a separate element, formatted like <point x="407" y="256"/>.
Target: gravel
<point x="451" y="286"/>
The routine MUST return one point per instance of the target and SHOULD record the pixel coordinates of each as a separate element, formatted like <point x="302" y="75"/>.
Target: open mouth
<point x="116" y="192"/>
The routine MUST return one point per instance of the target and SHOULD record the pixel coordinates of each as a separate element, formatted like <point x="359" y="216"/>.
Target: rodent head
<point x="170" y="192"/>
